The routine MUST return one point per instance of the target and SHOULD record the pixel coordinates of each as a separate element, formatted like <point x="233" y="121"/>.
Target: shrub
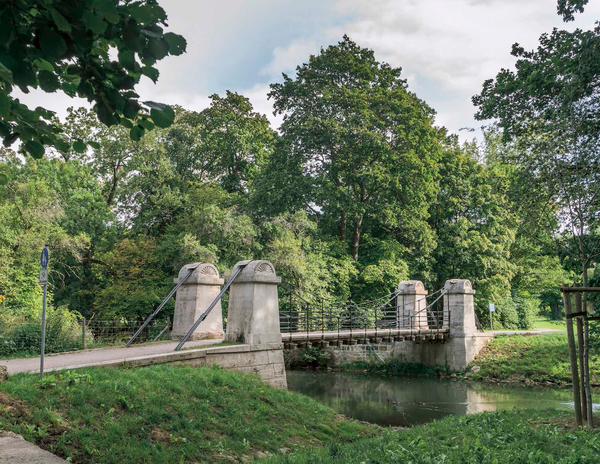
<point x="308" y="358"/>
<point x="527" y="309"/>
<point x="506" y="314"/>
<point x="22" y="336"/>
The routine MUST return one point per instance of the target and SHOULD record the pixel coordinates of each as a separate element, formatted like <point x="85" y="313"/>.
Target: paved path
<point x="524" y="332"/>
<point x="96" y="356"/>
<point x="15" y="450"/>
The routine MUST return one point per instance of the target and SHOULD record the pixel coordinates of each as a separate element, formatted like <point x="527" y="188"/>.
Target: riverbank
<point x="529" y="359"/>
<point x="494" y="438"/>
<point x="166" y="414"/>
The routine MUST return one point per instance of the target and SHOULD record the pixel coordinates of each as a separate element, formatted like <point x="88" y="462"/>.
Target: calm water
<point x="413" y="400"/>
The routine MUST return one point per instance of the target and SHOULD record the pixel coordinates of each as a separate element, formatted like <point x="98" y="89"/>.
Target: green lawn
<point x="166" y="414"/>
<point x="543" y="323"/>
<point x="536" y="358"/>
<point x="488" y="438"/>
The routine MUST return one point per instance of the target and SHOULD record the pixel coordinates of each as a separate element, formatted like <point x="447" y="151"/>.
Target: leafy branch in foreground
<point x="93" y="49"/>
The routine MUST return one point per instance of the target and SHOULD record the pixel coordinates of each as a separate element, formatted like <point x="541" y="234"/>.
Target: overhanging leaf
<point x="127" y="59"/>
<point x="131" y="109"/>
<point x="155" y="105"/>
<point x="159" y="48"/>
<point x="162" y="118"/>
<point x="6" y="74"/>
<point x="136" y="133"/>
<point x="43" y="65"/>
<point x="48" y="81"/>
<point x="4" y="104"/>
<point x="3" y="179"/>
<point x="79" y="146"/>
<point x="96" y="24"/>
<point x="177" y="44"/>
<point x="146" y="124"/>
<point x="52" y="44"/>
<point x="60" y="21"/>
<point x="151" y="72"/>
<point x="34" y="148"/>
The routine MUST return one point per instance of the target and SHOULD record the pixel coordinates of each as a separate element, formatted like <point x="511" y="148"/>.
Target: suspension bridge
<point x="407" y="313"/>
<point x="264" y="317"/>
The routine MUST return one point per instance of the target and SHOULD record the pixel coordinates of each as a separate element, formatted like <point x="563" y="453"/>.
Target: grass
<point x="494" y="438"/>
<point x="529" y="358"/>
<point x="166" y="414"/>
<point x="543" y="323"/>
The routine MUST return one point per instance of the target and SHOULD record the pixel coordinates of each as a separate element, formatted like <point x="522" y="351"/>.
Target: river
<point x="414" y="400"/>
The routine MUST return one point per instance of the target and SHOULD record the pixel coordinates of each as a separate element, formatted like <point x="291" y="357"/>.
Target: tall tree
<point x="550" y="108"/>
<point x="236" y="140"/>
<point x="357" y="145"/>
<point x="71" y="45"/>
<point x="474" y="227"/>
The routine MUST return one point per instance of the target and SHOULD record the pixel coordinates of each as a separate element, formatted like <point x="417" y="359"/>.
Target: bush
<point x="396" y="368"/>
<point x="506" y="314"/>
<point x="22" y="336"/>
<point x="527" y="309"/>
<point x="308" y="358"/>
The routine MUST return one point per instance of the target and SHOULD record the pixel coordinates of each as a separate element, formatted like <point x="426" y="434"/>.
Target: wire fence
<point x="25" y="340"/>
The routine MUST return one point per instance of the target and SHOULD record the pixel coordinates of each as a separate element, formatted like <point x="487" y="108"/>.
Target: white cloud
<point x="447" y="48"/>
<point x="286" y="59"/>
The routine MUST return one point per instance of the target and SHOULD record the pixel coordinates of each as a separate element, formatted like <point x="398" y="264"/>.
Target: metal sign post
<point x="44" y="283"/>
<point x="492" y="311"/>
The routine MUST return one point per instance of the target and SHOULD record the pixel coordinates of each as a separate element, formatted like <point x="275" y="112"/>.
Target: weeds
<point x="166" y="414"/>
<point x="487" y="438"/>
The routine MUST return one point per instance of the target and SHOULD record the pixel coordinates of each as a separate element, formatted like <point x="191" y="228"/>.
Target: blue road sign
<point x="44" y="258"/>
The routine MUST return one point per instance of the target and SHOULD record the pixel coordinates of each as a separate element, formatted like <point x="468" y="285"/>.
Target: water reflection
<point x="407" y="401"/>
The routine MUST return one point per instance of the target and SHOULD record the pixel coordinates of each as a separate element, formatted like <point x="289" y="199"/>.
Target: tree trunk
<point x="342" y="226"/>
<point x="356" y="237"/>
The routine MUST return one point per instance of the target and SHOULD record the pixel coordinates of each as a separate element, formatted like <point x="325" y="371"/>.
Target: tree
<point x="69" y="46"/>
<point x="235" y="140"/>
<point x="356" y="144"/>
<point x="474" y="228"/>
<point x="549" y="108"/>
<point x="568" y="8"/>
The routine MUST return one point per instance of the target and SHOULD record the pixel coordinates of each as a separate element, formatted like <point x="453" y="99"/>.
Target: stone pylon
<point x="253" y="315"/>
<point x="193" y="298"/>
<point x="411" y="305"/>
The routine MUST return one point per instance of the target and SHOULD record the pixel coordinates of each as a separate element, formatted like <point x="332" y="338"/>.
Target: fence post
<point x="573" y="359"/>
<point x="580" y="349"/>
<point x="83" y="334"/>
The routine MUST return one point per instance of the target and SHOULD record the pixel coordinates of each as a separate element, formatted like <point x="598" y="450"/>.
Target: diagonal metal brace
<point x="153" y="315"/>
<point x="205" y="314"/>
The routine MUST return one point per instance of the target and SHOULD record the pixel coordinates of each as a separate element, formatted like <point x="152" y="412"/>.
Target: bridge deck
<point x="299" y="337"/>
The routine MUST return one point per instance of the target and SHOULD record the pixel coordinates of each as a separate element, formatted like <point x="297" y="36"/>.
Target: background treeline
<point x="357" y="190"/>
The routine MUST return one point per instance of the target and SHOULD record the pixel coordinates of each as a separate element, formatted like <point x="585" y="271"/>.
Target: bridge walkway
<point x="97" y="356"/>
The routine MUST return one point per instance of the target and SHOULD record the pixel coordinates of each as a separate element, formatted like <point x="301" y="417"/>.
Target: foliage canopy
<point x="93" y="49"/>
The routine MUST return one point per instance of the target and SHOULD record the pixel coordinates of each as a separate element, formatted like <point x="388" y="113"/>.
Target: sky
<point x="446" y="48"/>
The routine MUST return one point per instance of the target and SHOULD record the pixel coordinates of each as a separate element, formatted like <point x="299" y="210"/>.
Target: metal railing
<point x="371" y="319"/>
